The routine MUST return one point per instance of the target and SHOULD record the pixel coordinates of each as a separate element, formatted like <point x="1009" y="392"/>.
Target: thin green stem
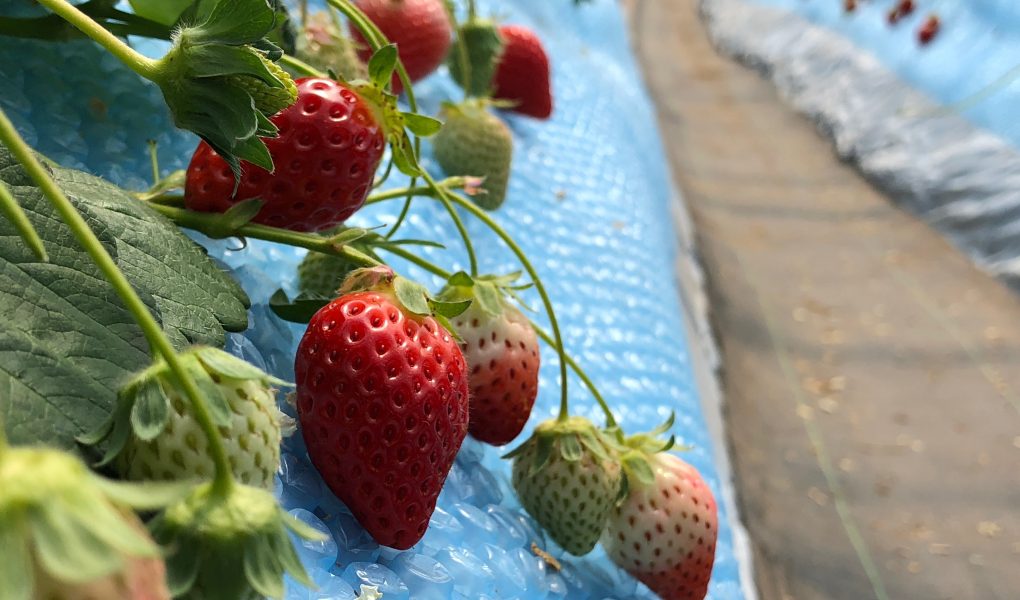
<point x="444" y="197"/>
<point x="472" y="13"/>
<point x="400" y="218"/>
<point x="386" y="174"/>
<point x="210" y="224"/>
<point x="588" y="383"/>
<point x="300" y="66"/>
<point x="10" y="208"/>
<point x="154" y="334"/>
<point x="482" y="216"/>
<point x="146" y="67"/>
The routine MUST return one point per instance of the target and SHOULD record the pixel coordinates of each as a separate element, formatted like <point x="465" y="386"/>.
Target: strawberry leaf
<point x="422" y="125"/>
<point x="382" y="64"/>
<point x="162" y="11"/>
<point x="67" y="343"/>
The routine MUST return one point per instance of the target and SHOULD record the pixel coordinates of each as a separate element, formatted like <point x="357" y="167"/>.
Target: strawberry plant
<point x="117" y="319"/>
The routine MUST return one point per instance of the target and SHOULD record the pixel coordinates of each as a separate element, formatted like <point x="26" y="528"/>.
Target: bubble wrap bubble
<point x="588" y="202"/>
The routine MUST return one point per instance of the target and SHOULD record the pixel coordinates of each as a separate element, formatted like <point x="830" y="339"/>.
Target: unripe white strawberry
<point x="154" y="434"/>
<point x="664" y="531"/>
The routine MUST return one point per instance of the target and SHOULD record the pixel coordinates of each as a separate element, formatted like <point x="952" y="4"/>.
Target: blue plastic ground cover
<point x="978" y="46"/>
<point x="589" y="202"/>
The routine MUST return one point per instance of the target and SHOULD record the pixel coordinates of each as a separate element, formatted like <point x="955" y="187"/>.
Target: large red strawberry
<point x="421" y="30"/>
<point x="329" y="146"/>
<point x="522" y="74"/>
<point x="664" y="532"/>
<point x="382" y="397"/>
<point x="501" y="350"/>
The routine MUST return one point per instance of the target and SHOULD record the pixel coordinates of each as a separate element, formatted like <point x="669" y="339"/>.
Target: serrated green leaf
<point x="66" y="342"/>
<point x="150" y="410"/>
<point x="16" y="571"/>
<point x="413" y="296"/>
<point x="215" y="401"/>
<point x="300" y="310"/>
<point x="570" y="448"/>
<point x="422" y="125"/>
<point x="449" y="309"/>
<point x="382" y="63"/>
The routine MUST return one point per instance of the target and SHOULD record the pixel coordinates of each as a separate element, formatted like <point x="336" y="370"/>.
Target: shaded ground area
<point x="870" y="371"/>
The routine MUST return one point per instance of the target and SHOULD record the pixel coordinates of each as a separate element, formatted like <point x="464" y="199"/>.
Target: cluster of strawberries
<point x="387" y="388"/>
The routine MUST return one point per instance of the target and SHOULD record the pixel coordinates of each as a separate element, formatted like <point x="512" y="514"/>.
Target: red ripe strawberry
<point x="329" y="146"/>
<point x="664" y="532"/>
<point x="382" y="398"/>
<point x="522" y="74"/>
<point x="421" y="30"/>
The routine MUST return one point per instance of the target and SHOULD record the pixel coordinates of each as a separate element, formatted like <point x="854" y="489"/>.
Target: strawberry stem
<point x="300" y="66"/>
<point x="145" y="67"/>
<point x="482" y="216"/>
<point x="13" y="212"/>
<point x="588" y="383"/>
<point x="154" y="334"/>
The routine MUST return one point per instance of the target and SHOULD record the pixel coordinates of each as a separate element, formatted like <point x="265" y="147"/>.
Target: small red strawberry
<point x="929" y="30"/>
<point x="501" y="350"/>
<point x="522" y="74"/>
<point x="664" y="531"/>
<point x="329" y="146"/>
<point x="382" y="397"/>
<point x="421" y="30"/>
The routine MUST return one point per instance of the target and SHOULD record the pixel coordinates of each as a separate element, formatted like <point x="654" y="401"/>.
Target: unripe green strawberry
<point x="66" y="533"/>
<point x="155" y="436"/>
<point x="325" y="45"/>
<point x="479" y="44"/>
<point x="268" y="100"/>
<point x="568" y="481"/>
<point x="320" y="275"/>
<point x="229" y="543"/>
<point x="473" y="141"/>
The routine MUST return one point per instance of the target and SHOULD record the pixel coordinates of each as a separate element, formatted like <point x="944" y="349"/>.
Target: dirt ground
<point x="870" y="371"/>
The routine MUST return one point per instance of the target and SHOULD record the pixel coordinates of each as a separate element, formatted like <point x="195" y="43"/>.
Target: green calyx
<point x="570" y="439"/>
<point x="490" y="293"/>
<point x="59" y="518"/>
<point x="479" y="45"/>
<point x="637" y="451"/>
<point x="144" y="405"/>
<point x="220" y="81"/>
<point x="230" y="546"/>
<point x="411" y="296"/>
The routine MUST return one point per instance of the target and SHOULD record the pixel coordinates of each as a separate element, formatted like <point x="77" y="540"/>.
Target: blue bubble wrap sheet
<point x="589" y="202"/>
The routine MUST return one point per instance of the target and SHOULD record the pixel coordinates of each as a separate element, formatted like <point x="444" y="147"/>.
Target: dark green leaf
<point x="67" y="344"/>
<point x="151" y="410"/>
<point x="422" y="125"/>
<point x="413" y="296"/>
<point x="300" y="310"/>
<point x="233" y="21"/>
<point x="382" y="63"/>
